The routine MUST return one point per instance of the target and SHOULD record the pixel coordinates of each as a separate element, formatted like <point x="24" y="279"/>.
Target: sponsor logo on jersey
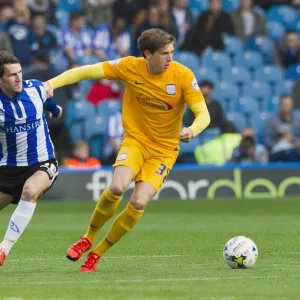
<point x="154" y="103"/>
<point x="21" y="127"/>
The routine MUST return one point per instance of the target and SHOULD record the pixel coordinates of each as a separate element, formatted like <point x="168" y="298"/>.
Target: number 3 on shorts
<point x="162" y="168"/>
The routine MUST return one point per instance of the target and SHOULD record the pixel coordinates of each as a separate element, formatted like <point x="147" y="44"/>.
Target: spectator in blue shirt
<point x="112" y="41"/>
<point x="45" y="39"/>
<point x="76" y="40"/>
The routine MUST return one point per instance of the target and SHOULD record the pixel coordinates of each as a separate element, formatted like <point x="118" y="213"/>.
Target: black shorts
<point x="12" y="179"/>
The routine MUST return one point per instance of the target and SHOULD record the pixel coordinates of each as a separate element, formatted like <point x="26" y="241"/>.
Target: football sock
<point x="17" y="224"/>
<point x="122" y="224"/>
<point x="104" y="210"/>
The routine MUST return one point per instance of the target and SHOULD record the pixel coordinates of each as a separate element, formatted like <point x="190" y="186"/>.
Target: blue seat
<point x="58" y="60"/>
<point x="276" y="30"/>
<point x="237" y="75"/>
<point x="260" y="10"/>
<point x="189" y="59"/>
<point x="88" y="59"/>
<point x="95" y="132"/>
<point x="69" y="5"/>
<point x="273" y="76"/>
<point x="238" y="120"/>
<point x="230" y="5"/>
<point x="189" y="147"/>
<point x="233" y="46"/>
<point x="288" y="86"/>
<point x="77" y="113"/>
<point x="217" y="60"/>
<point x="247" y="106"/>
<point x="250" y="60"/>
<point x="109" y="106"/>
<point x="227" y="94"/>
<point x="293" y="72"/>
<point x="63" y="18"/>
<point x="284" y="14"/>
<point x="209" y="134"/>
<point x="198" y="6"/>
<point x="263" y="45"/>
<point x="207" y="74"/>
<point x="261" y="92"/>
<point x="274" y="104"/>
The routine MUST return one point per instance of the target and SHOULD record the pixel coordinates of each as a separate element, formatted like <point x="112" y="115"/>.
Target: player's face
<point x="160" y="60"/>
<point x="11" y="82"/>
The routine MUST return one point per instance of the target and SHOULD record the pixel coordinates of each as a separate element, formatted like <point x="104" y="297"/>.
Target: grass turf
<point x="175" y="252"/>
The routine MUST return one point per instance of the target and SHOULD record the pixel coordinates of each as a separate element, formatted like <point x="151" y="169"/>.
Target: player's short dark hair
<point x="6" y="58"/>
<point x="153" y="40"/>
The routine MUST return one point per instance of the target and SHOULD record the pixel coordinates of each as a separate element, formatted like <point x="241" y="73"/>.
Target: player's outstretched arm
<point x="88" y="72"/>
<point x="202" y="117"/>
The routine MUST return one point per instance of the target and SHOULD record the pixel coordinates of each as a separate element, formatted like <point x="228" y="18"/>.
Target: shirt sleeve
<point x="117" y="69"/>
<point x="191" y="90"/>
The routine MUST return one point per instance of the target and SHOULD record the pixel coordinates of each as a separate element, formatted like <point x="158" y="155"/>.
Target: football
<point x="240" y="252"/>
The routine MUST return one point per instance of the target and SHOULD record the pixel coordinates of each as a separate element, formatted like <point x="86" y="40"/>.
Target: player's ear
<point x="147" y="53"/>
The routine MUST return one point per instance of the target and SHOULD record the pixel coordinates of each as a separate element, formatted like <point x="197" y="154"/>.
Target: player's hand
<point x="59" y="115"/>
<point x="186" y="134"/>
<point x="49" y="90"/>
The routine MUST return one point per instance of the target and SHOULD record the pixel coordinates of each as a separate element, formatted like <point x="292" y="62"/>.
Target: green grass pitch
<point x="175" y="252"/>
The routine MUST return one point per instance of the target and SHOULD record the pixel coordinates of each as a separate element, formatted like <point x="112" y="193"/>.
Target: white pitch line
<point x="108" y="257"/>
<point x="138" y="280"/>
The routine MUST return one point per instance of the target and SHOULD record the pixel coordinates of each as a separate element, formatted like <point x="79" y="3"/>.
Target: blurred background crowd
<point x="245" y="55"/>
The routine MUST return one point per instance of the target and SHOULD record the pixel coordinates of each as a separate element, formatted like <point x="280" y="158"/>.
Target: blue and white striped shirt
<point x="24" y="133"/>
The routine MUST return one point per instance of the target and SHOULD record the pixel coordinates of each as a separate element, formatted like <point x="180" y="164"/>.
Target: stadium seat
<point x="230" y="5"/>
<point x="293" y="72"/>
<point x="58" y="60"/>
<point x="276" y="30"/>
<point x="260" y="10"/>
<point x="70" y="5"/>
<point x="77" y="113"/>
<point x="288" y="86"/>
<point x="198" y="6"/>
<point x="250" y="60"/>
<point x="227" y="94"/>
<point x="284" y="14"/>
<point x="95" y="132"/>
<point x="273" y="105"/>
<point x="239" y="76"/>
<point x="217" y="60"/>
<point x="263" y="45"/>
<point x="63" y="18"/>
<point x="207" y="74"/>
<point x="233" y="46"/>
<point x="189" y="59"/>
<point x="109" y="106"/>
<point x="260" y="91"/>
<point x="209" y="134"/>
<point x="238" y="120"/>
<point x="272" y="75"/>
<point x="88" y="59"/>
<point x="247" y="106"/>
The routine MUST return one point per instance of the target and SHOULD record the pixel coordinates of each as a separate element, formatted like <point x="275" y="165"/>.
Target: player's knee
<point x="29" y="193"/>
<point x="137" y="203"/>
<point x="117" y="189"/>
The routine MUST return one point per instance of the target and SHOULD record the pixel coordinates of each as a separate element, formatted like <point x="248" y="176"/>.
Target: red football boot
<point x="2" y="256"/>
<point x="76" y="250"/>
<point x="90" y="264"/>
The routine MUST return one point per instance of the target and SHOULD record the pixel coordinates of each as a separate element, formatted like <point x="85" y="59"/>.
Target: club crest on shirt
<point x="115" y="62"/>
<point x="170" y="89"/>
<point x="194" y="85"/>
